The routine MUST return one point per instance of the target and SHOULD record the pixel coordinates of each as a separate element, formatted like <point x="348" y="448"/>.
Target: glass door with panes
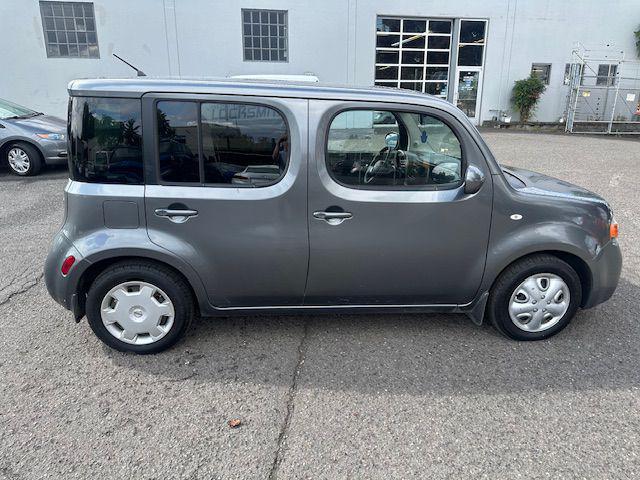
<point x="467" y="93"/>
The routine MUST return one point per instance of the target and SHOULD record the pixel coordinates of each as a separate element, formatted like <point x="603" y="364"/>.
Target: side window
<point x="178" y="141"/>
<point x="105" y="140"/>
<point x="240" y="144"/>
<point x="245" y="145"/>
<point x="392" y="149"/>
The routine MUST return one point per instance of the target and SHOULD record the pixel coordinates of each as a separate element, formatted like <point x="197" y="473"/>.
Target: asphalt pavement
<point x="334" y="396"/>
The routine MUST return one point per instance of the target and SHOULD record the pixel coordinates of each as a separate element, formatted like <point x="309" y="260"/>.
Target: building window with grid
<point x="264" y="35"/>
<point x="69" y="29"/>
<point x="413" y="53"/>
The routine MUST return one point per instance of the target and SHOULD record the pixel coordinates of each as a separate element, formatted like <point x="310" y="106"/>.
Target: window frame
<point x="157" y="178"/>
<point x="546" y="81"/>
<point x="62" y="3"/>
<point x="458" y="66"/>
<point x="609" y="79"/>
<point x="396" y="108"/>
<point x="269" y="36"/>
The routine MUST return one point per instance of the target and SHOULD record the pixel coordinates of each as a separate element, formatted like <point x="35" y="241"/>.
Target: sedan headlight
<point x="51" y="136"/>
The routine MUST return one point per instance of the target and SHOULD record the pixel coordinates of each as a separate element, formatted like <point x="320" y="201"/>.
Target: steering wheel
<point x="378" y="163"/>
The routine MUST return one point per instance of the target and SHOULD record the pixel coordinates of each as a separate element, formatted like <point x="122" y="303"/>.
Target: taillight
<point x="67" y="264"/>
<point x="613" y="229"/>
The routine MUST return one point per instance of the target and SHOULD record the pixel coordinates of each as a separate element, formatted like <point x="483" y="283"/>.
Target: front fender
<point x="523" y="224"/>
<point x="19" y="138"/>
<point x="529" y="239"/>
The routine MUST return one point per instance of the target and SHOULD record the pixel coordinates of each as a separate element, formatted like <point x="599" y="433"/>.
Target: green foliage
<point x="637" y="35"/>
<point x="526" y="94"/>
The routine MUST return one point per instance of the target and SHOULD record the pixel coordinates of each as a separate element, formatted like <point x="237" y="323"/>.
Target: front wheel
<point x="139" y="307"/>
<point x="23" y="159"/>
<point x="535" y="298"/>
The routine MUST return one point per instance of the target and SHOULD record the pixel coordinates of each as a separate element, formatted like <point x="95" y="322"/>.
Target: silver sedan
<point x="30" y="140"/>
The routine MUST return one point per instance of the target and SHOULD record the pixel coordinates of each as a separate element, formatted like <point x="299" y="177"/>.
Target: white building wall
<point x="334" y="39"/>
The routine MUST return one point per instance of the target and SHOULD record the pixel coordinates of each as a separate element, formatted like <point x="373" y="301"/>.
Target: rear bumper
<point x="63" y="289"/>
<point x="605" y="274"/>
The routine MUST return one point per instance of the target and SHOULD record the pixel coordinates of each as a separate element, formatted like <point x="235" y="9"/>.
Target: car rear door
<point x="403" y="232"/>
<point x="248" y="243"/>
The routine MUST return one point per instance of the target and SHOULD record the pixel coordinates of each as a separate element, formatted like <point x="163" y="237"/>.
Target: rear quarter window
<point x="105" y="140"/>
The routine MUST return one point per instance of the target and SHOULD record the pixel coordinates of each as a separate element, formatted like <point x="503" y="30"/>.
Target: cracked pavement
<point x="334" y="396"/>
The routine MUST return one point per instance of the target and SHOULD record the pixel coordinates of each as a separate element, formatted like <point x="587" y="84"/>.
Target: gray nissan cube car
<point x="354" y="214"/>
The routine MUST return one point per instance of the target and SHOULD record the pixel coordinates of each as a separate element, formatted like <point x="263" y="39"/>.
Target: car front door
<point x="247" y="240"/>
<point x="389" y="220"/>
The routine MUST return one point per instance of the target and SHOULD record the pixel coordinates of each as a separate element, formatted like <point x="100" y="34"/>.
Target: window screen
<point x="105" y="140"/>
<point x="387" y="149"/>
<point x="264" y="34"/>
<point x="69" y="29"/>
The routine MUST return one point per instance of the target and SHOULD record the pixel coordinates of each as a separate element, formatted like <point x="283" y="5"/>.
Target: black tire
<point x="35" y="159"/>
<point x="158" y="275"/>
<point x="508" y="281"/>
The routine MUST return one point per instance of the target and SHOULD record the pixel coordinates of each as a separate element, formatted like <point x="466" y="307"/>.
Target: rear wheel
<point x="535" y="298"/>
<point x="139" y="307"/>
<point x="23" y="159"/>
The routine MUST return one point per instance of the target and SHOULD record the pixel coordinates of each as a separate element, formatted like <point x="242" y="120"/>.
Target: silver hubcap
<point x="539" y="302"/>
<point x="137" y="313"/>
<point x="19" y="160"/>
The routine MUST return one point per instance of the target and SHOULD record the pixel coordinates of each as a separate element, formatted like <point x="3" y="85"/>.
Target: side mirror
<point x="473" y="179"/>
<point x="391" y="140"/>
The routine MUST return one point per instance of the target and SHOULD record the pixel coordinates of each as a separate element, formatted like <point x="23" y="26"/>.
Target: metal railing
<point x="604" y="93"/>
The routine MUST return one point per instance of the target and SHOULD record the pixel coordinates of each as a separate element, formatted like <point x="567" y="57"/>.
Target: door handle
<point x="176" y="216"/>
<point x="333" y="218"/>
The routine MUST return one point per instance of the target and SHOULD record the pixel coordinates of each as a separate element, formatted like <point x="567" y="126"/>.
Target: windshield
<point x="11" y="110"/>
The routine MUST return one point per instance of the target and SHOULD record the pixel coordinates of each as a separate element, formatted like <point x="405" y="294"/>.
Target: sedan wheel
<point x="19" y="160"/>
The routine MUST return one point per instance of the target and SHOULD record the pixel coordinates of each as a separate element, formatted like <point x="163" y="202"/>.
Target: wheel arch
<point x="91" y="272"/>
<point x="7" y="142"/>
<point x="576" y="262"/>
